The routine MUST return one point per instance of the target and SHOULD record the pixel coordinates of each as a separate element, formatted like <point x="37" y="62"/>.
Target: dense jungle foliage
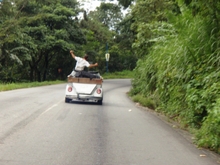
<point x="178" y="71"/>
<point x="173" y="48"/>
<point x="36" y="37"/>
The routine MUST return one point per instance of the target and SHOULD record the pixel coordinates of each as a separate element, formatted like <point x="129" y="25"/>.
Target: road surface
<point x="38" y="128"/>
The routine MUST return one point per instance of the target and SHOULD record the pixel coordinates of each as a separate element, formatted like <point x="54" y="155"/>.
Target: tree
<point x="12" y="52"/>
<point x="100" y="23"/>
<point x="150" y="23"/>
<point x="122" y="55"/>
<point x="125" y="3"/>
<point x="52" y="31"/>
<point x="97" y="35"/>
<point x="108" y="14"/>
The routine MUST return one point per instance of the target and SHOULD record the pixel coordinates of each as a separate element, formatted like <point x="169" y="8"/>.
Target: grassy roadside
<point x="121" y="75"/>
<point x="12" y="86"/>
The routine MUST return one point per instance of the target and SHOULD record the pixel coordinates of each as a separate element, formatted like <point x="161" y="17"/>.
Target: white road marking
<point x="51" y="107"/>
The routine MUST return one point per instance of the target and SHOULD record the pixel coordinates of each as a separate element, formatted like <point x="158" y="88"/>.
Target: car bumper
<point x="81" y="97"/>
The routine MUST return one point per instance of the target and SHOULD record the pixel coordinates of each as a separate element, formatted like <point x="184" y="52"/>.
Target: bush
<point x="182" y="70"/>
<point x="146" y="102"/>
<point x="209" y="134"/>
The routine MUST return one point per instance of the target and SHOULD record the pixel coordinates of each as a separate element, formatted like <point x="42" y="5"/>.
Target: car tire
<point x="99" y="102"/>
<point x="67" y="100"/>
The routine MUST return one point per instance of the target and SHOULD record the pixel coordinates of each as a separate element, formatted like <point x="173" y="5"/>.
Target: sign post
<point x="107" y="56"/>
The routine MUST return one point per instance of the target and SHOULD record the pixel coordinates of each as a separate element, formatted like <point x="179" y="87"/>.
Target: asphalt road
<point x="38" y="128"/>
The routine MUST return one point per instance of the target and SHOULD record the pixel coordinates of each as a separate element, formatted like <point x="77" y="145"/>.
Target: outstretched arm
<point x="72" y="53"/>
<point x="93" y="65"/>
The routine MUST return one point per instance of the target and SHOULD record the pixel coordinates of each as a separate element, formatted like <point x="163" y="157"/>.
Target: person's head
<point x="86" y="57"/>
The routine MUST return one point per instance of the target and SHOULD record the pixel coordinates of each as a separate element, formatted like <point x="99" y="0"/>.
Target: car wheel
<point x="67" y="100"/>
<point x="100" y="102"/>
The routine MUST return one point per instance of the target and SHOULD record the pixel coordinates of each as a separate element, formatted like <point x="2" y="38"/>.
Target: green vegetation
<point x="12" y="86"/>
<point x="179" y="68"/>
<point x="144" y="101"/>
<point x="119" y="75"/>
<point x="36" y="37"/>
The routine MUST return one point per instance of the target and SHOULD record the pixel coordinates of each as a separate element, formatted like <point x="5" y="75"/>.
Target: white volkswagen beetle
<point x="84" y="89"/>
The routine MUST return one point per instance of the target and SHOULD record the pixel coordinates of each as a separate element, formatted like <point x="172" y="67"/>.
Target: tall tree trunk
<point x="31" y="75"/>
<point x="46" y="67"/>
<point x="38" y="75"/>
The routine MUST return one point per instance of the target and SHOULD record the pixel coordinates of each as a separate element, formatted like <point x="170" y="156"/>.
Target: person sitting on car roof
<point x="81" y="63"/>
